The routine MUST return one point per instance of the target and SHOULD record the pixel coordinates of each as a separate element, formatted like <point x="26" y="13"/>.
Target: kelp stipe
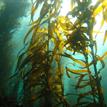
<point x="83" y="41"/>
<point x="53" y="37"/>
<point x="42" y="83"/>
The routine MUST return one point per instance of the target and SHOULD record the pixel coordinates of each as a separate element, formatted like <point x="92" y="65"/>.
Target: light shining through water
<point x="66" y="7"/>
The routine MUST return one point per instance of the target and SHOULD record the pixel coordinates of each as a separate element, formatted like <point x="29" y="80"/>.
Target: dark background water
<point x="12" y="12"/>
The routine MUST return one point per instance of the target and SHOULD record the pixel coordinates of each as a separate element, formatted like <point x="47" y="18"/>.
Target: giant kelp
<point x="53" y="37"/>
<point x="41" y="82"/>
<point x="83" y="40"/>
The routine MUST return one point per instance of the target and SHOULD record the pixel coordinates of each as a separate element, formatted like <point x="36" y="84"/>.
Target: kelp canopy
<point x="52" y="37"/>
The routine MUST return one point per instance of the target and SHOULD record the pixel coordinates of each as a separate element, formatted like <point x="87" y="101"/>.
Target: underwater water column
<point x="11" y="11"/>
<point x="16" y="43"/>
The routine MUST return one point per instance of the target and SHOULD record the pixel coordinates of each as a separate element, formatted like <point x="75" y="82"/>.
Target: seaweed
<point x="44" y="84"/>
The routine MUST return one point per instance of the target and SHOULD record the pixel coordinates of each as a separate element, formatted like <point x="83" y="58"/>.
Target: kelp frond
<point x="53" y="37"/>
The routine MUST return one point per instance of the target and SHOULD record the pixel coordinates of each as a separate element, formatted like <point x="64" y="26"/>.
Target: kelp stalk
<point x="90" y="78"/>
<point x="98" y="83"/>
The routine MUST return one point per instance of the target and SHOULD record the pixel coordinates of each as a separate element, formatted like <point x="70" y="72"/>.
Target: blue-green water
<point x="10" y="45"/>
